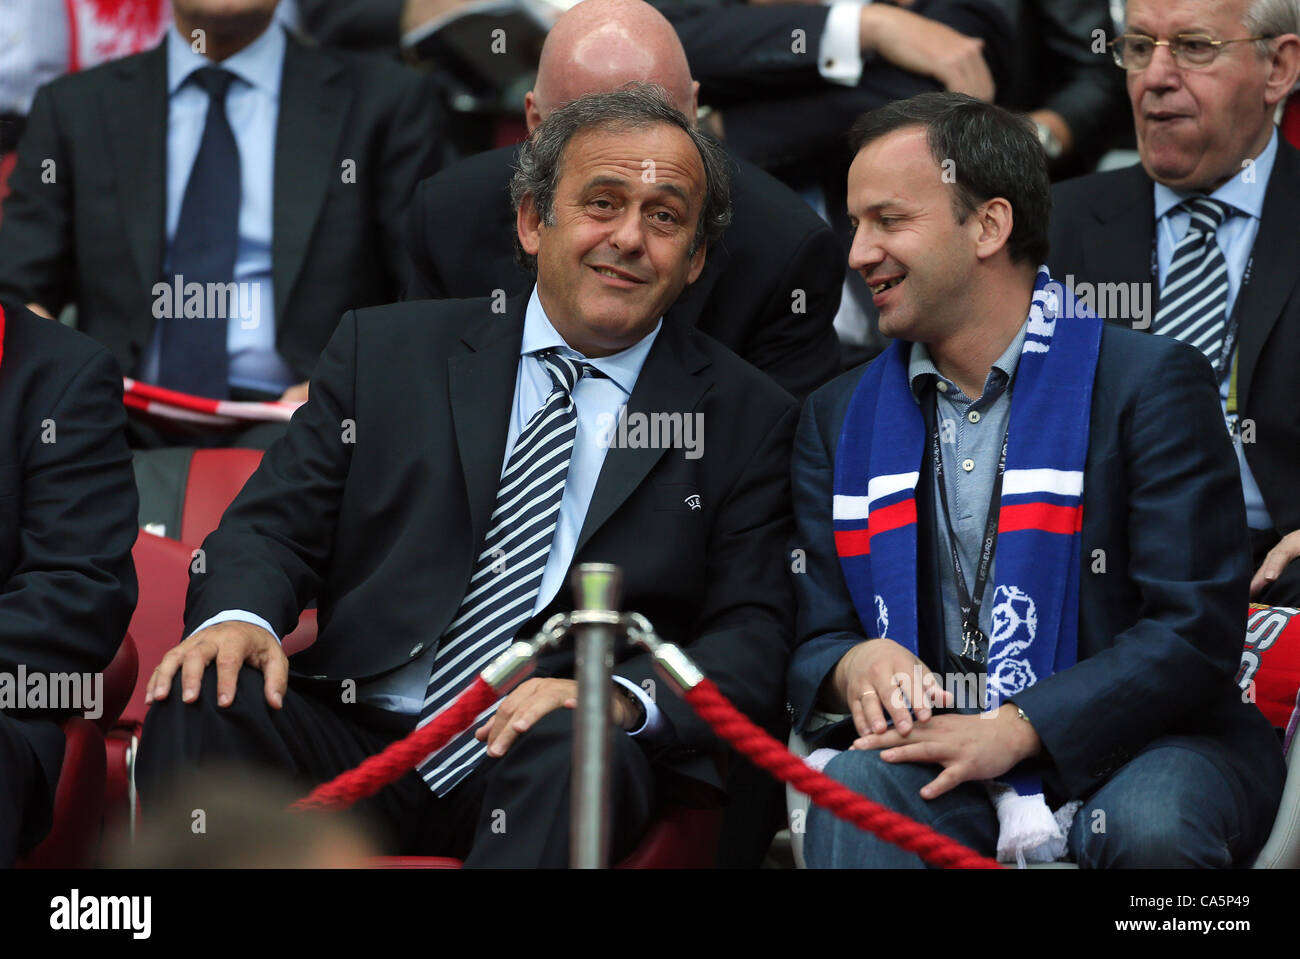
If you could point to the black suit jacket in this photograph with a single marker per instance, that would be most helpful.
(1103, 231)
(383, 532)
(778, 111)
(744, 298)
(67, 511)
(1161, 619)
(95, 235)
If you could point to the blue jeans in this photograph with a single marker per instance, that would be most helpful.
(1168, 806)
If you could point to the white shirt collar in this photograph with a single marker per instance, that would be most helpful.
(623, 367)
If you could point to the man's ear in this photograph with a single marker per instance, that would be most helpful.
(532, 115)
(993, 223)
(695, 101)
(529, 225)
(1284, 66)
(697, 263)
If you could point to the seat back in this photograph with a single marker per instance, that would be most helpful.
(120, 677)
(163, 568)
(73, 839)
(215, 479)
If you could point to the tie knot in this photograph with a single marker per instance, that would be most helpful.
(564, 371)
(215, 81)
(1207, 215)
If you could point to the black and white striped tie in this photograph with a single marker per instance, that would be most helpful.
(504, 584)
(1194, 301)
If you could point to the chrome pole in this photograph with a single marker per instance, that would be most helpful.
(599, 587)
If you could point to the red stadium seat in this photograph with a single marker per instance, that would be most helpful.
(163, 567)
(215, 478)
(73, 840)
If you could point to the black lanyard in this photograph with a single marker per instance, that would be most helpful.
(974, 644)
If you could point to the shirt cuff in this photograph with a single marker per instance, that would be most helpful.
(236, 616)
(655, 726)
(839, 57)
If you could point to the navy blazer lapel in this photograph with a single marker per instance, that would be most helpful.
(668, 383)
(134, 108)
(314, 103)
(1270, 273)
(481, 386)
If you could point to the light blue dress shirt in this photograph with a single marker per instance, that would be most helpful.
(1236, 237)
(33, 50)
(597, 402)
(253, 108)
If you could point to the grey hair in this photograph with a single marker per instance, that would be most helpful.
(633, 107)
(1271, 18)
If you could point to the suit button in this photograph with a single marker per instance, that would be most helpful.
(415, 650)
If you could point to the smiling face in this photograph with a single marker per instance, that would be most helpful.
(907, 243)
(618, 252)
(1196, 127)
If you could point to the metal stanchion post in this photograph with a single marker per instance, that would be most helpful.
(598, 588)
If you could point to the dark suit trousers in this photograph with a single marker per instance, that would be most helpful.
(510, 812)
(25, 806)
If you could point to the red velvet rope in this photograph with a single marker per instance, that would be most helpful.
(400, 757)
(395, 761)
(766, 752)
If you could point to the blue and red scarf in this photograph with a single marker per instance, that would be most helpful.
(1035, 600)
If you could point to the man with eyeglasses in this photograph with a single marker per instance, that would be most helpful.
(1197, 242)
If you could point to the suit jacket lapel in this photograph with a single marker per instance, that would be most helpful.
(668, 383)
(1270, 273)
(137, 104)
(313, 106)
(1126, 220)
(482, 386)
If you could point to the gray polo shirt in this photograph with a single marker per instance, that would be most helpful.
(970, 442)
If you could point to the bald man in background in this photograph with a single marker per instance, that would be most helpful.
(769, 290)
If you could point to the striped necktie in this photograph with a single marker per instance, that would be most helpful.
(1194, 301)
(508, 573)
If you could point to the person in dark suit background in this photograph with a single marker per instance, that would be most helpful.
(1205, 135)
(1144, 723)
(380, 497)
(770, 287)
(130, 174)
(67, 524)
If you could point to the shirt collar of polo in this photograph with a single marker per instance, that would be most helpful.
(921, 370)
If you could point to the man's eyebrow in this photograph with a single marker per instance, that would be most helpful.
(623, 184)
(876, 208)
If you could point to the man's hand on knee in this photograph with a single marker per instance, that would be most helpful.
(532, 700)
(232, 645)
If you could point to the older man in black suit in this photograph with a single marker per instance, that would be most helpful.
(1197, 241)
(770, 288)
(379, 503)
(67, 524)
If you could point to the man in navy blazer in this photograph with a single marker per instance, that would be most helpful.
(1164, 565)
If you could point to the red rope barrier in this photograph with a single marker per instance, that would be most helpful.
(400, 757)
(395, 761)
(766, 752)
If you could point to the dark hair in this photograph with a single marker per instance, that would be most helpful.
(638, 105)
(993, 153)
